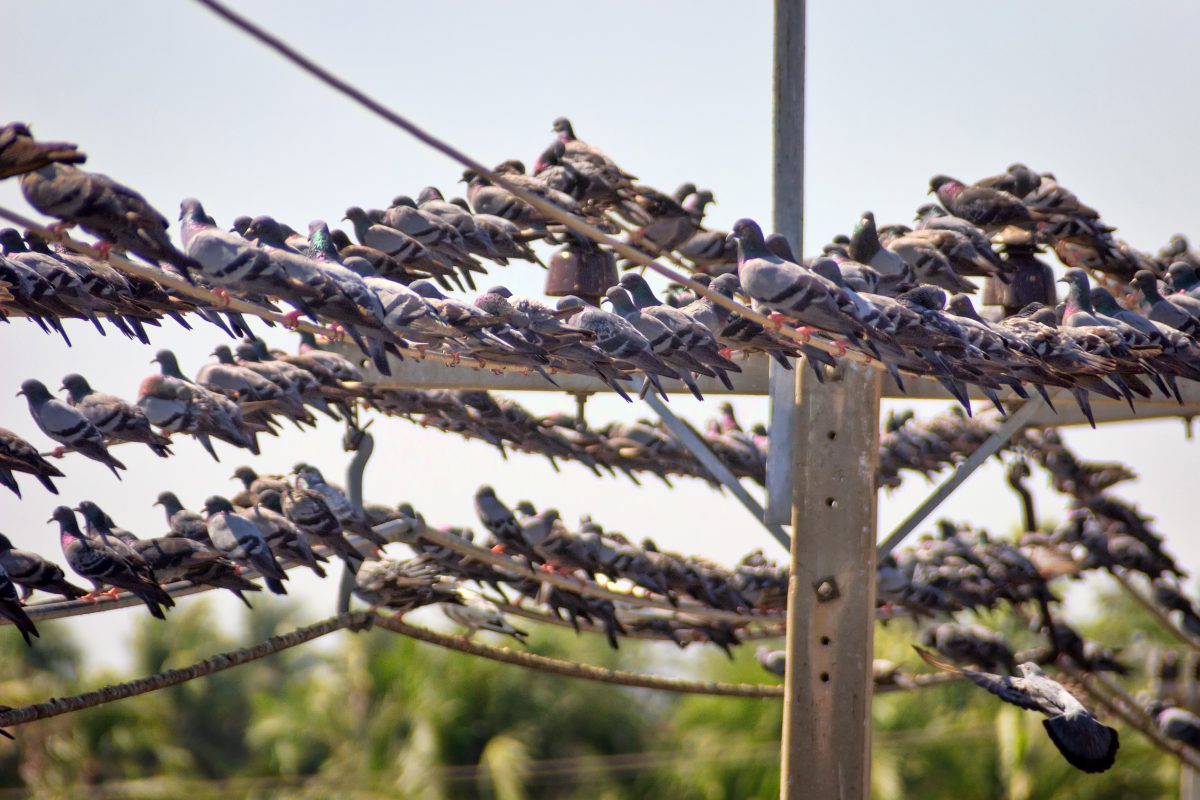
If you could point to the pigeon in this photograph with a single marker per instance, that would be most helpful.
(773, 661)
(66, 425)
(666, 345)
(476, 613)
(616, 337)
(175, 558)
(117, 419)
(351, 518)
(21, 153)
(284, 537)
(100, 564)
(973, 644)
(309, 511)
(182, 522)
(242, 542)
(1177, 724)
(18, 455)
(10, 608)
(1170, 310)
(500, 522)
(988, 208)
(240, 383)
(403, 585)
(116, 214)
(865, 248)
(32, 572)
(1085, 743)
(253, 484)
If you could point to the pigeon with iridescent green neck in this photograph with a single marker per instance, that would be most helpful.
(865, 247)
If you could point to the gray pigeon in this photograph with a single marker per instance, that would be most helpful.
(32, 572)
(18, 455)
(242, 542)
(773, 661)
(116, 418)
(66, 425)
(1177, 724)
(351, 518)
(11, 609)
(1085, 743)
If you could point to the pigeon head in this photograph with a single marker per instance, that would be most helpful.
(354, 214)
(550, 156)
(93, 515)
(76, 386)
(945, 185)
(748, 236)
(725, 284)
(340, 239)
(511, 166)
(320, 243)
(461, 203)
(828, 269)
(65, 517)
(639, 289)
(191, 210)
(470, 176)
(778, 244)
(11, 241)
(240, 225)
(266, 230)
(36, 243)
(1029, 669)
(248, 351)
(1147, 283)
(168, 363)
(485, 491)
(270, 499)
(246, 475)
(571, 302)
(503, 291)
(35, 392)
(525, 508)
(429, 194)
(169, 501)
(930, 211)
(685, 190)
(1104, 302)
(359, 266)
(403, 201)
(1183, 276)
(308, 473)
(217, 505)
(562, 126)
(961, 305)
(620, 300)
(1154, 708)
(5, 544)
(426, 288)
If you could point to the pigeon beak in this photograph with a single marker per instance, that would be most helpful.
(19, 393)
(50, 520)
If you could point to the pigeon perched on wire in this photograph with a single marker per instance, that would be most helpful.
(32, 572)
(477, 613)
(118, 215)
(350, 516)
(10, 608)
(67, 426)
(773, 661)
(18, 455)
(175, 558)
(243, 543)
(1177, 724)
(116, 418)
(1085, 743)
(102, 565)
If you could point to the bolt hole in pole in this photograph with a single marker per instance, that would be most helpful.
(824, 677)
(826, 641)
(832, 503)
(831, 435)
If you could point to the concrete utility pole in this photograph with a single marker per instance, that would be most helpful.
(831, 433)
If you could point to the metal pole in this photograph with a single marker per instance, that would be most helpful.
(697, 447)
(363, 445)
(788, 220)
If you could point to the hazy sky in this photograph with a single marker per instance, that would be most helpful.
(174, 102)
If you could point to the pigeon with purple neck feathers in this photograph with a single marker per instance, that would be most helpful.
(100, 564)
(988, 208)
(66, 425)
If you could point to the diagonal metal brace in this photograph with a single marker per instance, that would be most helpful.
(363, 445)
(696, 446)
(1010, 428)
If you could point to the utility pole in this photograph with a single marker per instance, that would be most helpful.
(833, 435)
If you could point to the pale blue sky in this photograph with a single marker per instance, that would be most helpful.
(172, 101)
